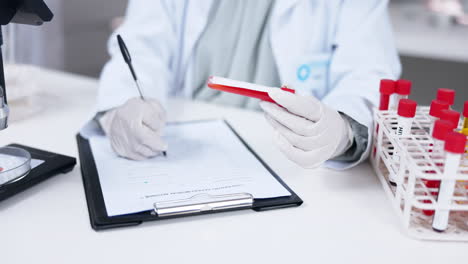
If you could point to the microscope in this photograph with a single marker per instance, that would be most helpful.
(28, 12)
(22, 167)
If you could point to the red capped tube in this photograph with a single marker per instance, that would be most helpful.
(439, 132)
(455, 143)
(402, 90)
(407, 108)
(406, 114)
(387, 88)
(451, 116)
(446, 95)
(454, 147)
(403, 87)
(441, 129)
(435, 112)
(437, 107)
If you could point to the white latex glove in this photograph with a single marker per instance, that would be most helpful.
(308, 132)
(134, 128)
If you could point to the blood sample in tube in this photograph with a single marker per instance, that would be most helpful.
(441, 129)
(402, 90)
(454, 148)
(435, 112)
(451, 116)
(446, 95)
(406, 113)
(387, 88)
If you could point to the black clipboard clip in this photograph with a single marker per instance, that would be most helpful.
(201, 203)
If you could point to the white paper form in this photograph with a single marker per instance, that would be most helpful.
(203, 158)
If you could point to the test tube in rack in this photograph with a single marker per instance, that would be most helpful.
(441, 129)
(402, 91)
(446, 95)
(451, 116)
(454, 148)
(435, 112)
(406, 113)
(387, 88)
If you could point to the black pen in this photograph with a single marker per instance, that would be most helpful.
(128, 60)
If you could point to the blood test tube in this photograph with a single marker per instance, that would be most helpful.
(451, 116)
(441, 129)
(387, 88)
(446, 95)
(406, 113)
(454, 149)
(402, 90)
(435, 112)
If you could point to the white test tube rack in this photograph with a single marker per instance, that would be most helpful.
(416, 165)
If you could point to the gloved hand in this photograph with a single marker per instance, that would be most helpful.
(308, 132)
(134, 128)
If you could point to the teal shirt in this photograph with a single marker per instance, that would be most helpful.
(235, 45)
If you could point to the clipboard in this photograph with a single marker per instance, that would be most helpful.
(197, 205)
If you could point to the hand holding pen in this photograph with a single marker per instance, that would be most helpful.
(128, 61)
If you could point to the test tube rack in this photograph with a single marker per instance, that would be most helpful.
(411, 197)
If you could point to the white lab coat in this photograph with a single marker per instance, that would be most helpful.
(337, 50)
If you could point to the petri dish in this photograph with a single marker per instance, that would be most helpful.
(15, 164)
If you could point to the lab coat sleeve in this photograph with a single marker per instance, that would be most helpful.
(364, 53)
(149, 31)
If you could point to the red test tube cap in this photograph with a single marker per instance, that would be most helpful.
(403, 87)
(451, 116)
(441, 129)
(407, 108)
(446, 95)
(387, 86)
(455, 143)
(437, 107)
(465, 110)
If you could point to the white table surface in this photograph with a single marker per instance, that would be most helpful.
(345, 218)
